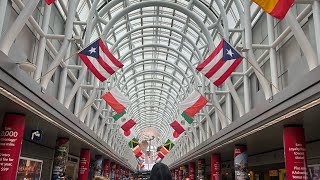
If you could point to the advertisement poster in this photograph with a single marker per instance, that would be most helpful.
(60, 158)
(241, 163)
(29, 169)
(10, 145)
(98, 165)
(201, 169)
(314, 172)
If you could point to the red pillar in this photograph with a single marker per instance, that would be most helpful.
(172, 174)
(10, 144)
(201, 169)
(180, 174)
(117, 172)
(84, 164)
(106, 168)
(192, 171)
(295, 152)
(241, 162)
(215, 167)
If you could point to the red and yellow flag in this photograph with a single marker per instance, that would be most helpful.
(276, 8)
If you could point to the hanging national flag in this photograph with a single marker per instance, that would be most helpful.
(276, 8)
(135, 146)
(116, 100)
(118, 116)
(125, 123)
(140, 160)
(158, 159)
(192, 105)
(164, 150)
(99, 60)
(221, 63)
(50, 1)
(138, 154)
(168, 145)
(133, 143)
(160, 155)
(179, 127)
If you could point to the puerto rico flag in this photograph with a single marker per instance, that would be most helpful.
(221, 63)
(99, 60)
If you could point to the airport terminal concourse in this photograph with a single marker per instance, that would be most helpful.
(125, 89)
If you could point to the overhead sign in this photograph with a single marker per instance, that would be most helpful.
(36, 135)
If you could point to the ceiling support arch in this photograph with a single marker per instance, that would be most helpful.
(137, 107)
(154, 88)
(115, 46)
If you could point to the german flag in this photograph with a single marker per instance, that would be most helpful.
(276, 8)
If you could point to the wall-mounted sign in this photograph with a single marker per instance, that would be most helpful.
(273, 173)
(36, 135)
(29, 169)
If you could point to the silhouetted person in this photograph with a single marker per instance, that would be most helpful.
(160, 171)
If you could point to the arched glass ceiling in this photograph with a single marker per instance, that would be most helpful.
(159, 43)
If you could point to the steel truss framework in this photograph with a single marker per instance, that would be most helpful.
(160, 43)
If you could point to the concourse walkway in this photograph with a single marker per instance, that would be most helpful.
(213, 89)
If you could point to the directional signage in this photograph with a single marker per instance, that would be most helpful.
(36, 135)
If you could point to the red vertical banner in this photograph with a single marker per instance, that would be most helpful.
(201, 168)
(192, 171)
(241, 162)
(215, 167)
(172, 174)
(84, 164)
(295, 152)
(106, 168)
(180, 176)
(117, 172)
(10, 144)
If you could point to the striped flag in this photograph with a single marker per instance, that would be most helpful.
(192, 105)
(117, 101)
(220, 63)
(140, 160)
(99, 60)
(276, 8)
(158, 159)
